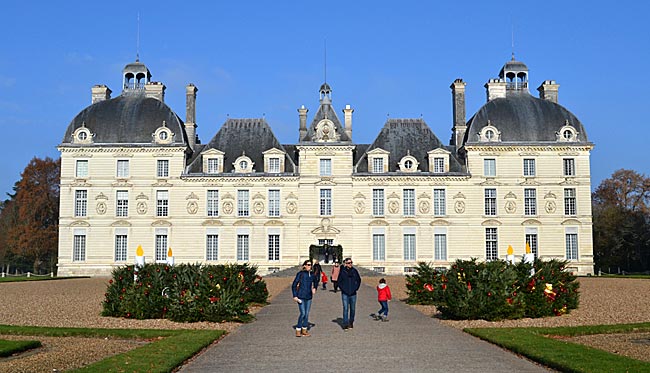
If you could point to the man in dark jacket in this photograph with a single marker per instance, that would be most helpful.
(349, 282)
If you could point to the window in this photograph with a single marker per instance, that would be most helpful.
(378, 202)
(529, 167)
(274, 247)
(162, 169)
(438, 165)
(378, 247)
(530, 202)
(491, 244)
(409, 202)
(162, 203)
(122, 203)
(243, 165)
(325, 167)
(325, 241)
(274, 202)
(490, 167)
(81, 168)
(242, 203)
(571, 244)
(79, 246)
(161, 246)
(213, 165)
(408, 164)
(326, 202)
(569, 201)
(531, 240)
(242, 247)
(274, 165)
(440, 246)
(439, 202)
(378, 165)
(568, 134)
(212, 208)
(490, 135)
(122, 168)
(80, 203)
(409, 246)
(490, 202)
(120, 247)
(569, 166)
(212, 247)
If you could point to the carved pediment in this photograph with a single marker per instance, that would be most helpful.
(439, 222)
(409, 222)
(359, 196)
(531, 222)
(530, 181)
(274, 223)
(79, 223)
(569, 181)
(550, 195)
(122, 183)
(120, 223)
(571, 221)
(378, 151)
(291, 196)
(141, 196)
(490, 181)
(378, 223)
(211, 223)
(161, 184)
(80, 183)
(326, 180)
(227, 195)
(490, 222)
(424, 195)
(259, 195)
(161, 223)
(393, 196)
(510, 195)
(192, 196)
(242, 223)
(101, 196)
(459, 195)
(326, 227)
(326, 131)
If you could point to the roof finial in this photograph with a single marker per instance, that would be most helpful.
(137, 43)
(513, 40)
(325, 62)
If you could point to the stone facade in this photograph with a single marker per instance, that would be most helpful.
(141, 179)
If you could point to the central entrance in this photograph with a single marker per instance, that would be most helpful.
(326, 253)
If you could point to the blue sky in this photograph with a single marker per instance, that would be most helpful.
(265, 58)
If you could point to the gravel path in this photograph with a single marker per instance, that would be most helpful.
(77, 303)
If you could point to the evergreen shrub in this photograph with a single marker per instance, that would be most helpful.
(185, 293)
(495, 290)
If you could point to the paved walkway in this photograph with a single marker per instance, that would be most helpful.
(409, 342)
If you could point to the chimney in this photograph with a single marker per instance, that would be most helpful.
(302, 113)
(348, 120)
(190, 114)
(548, 90)
(496, 88)
(100, 92)
(458, 102)
(155, 90)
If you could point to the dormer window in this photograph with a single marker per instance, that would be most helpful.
(378, 161)
(489, 133)
(243, 164)
(408, 164)
(163, 135)
(274, 161)
(439, 161)
(212, 161)
(82, 135)
(567, 133)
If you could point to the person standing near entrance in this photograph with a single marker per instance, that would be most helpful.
(303, 288)
(349, 282)
(317, 272)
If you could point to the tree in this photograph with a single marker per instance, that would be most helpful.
(34, 234)
(621, 208)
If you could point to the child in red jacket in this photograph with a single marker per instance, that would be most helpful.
(323, 279)
(383, 296)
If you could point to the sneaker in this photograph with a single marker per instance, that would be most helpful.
(345, 328)
(385, 318)
(351, 325)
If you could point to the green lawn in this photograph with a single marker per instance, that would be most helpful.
(535, 344)
(160, 355)
(8, 348)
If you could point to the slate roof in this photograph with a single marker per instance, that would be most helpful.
(251, 136)
(513, 65)
(522, 118)
(407, 136)
(127, 119)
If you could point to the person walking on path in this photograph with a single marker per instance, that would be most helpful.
(349, 282)
(323, 279)
(335, 275)
(383, 296)
(303, 288)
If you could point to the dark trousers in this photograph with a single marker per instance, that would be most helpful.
(336, 285)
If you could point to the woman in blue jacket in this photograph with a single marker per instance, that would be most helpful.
(304, 287)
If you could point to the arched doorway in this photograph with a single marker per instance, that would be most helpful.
(326, 253)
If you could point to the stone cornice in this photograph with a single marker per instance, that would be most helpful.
(386, 180)
(328, 147)
(530, 148)
(220, 181)
(119, 151)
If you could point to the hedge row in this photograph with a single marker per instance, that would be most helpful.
(186, 292)
(495, 290)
